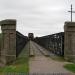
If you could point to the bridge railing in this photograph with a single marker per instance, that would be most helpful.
(21, 41)
(54, 43)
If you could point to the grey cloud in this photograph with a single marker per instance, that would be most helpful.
(42, 17)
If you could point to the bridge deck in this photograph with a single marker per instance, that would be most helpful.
(40, 64)
(36, 50)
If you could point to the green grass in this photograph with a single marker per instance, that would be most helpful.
(57, 58)
(21, 65)
(70, 67)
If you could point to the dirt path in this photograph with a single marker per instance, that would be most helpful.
(45, 65)
(42, 65)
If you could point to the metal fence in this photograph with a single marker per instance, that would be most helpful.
(21, 41)
(54, 43)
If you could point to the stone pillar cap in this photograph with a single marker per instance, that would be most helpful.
(8, 22)
(69, 22)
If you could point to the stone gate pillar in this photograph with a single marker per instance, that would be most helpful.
(69, 41)
(8, 50)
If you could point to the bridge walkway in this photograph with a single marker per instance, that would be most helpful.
(42, 64)
(36, 50)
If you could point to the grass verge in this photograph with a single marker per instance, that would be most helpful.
(57, 58)
(19, 67)
(70, 67)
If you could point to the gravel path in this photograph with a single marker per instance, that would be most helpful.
(45, 65)
(42, 65)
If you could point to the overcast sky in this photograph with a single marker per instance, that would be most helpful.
(41, 17)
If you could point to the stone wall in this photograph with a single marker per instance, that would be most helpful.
(69, 44)
(8, 46)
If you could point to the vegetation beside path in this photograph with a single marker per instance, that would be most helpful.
(70, 67)
(57, 58)
(20, 66)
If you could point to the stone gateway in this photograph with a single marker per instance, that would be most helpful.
(12, 42)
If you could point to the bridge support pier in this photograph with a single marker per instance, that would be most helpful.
(69, 41)
(8, 46)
